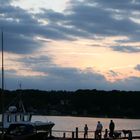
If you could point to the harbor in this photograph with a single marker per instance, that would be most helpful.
(70, 70)
(69, 128)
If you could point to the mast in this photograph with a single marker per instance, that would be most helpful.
(2, 82)
(2, 63)
(21, 105)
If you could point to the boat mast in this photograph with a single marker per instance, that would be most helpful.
(2, 83)
(2, 63)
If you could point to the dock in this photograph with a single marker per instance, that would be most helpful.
(123, 138)
(79, 135)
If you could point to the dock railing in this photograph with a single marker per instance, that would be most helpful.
(121, 134)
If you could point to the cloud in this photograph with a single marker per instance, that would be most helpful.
(95, 17)
(119, 4)
(19, 29)
(70, 79)
(113, 73)
(3, 2)
(89, 19)
(61, 79)
(81, 19)
(22, 27)
(126, 49)
(137, 67)
(130, 83)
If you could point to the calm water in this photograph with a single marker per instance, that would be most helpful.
(70, 123)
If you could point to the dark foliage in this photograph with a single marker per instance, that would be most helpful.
(79, 103)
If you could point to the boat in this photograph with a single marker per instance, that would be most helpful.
(18, 126)
(16, 115)
(21, 132)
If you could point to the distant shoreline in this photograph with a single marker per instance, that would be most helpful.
(80, 103)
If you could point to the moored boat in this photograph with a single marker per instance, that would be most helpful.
(14, 116)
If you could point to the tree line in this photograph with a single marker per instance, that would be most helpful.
(96, 103)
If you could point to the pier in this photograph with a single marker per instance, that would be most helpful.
(79, 135)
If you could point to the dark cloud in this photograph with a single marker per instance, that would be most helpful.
(126, 49)
(100, 20)
(20, 29)
(130, 83)
(59, 23)
(137, 67)
(113, 73)
(51, 16)
(17, 43)
(70, 79)
(89, 18)
(37, 63)
(3, 2)
(85, 19)
(61, 78)
(119, 4)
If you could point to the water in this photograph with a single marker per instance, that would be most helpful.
(70, 123)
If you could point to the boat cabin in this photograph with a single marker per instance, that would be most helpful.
(13, 116)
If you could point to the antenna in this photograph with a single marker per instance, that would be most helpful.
(21, 106)
(19, 85)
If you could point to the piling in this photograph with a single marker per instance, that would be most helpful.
(64, 135)
(130, 135)
(76, 135)
(72, 135)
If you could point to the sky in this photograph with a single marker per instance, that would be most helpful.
(71, 44)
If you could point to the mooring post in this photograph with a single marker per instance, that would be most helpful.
(130, 135)
(72, 135)
(76, 132)
(94, 135)
(64, 135)
(50, 132)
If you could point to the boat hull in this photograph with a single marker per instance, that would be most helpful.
(44, 126)
(28, 131)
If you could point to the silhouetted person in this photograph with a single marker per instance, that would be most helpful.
(98, 132)
(86, 131)
(111, 128)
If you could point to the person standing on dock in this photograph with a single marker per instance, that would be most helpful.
(111, 128)
(86, 131)
(98, 132)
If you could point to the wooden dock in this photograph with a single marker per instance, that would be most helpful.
(61, 138)
(121, 138)
(79, 135)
